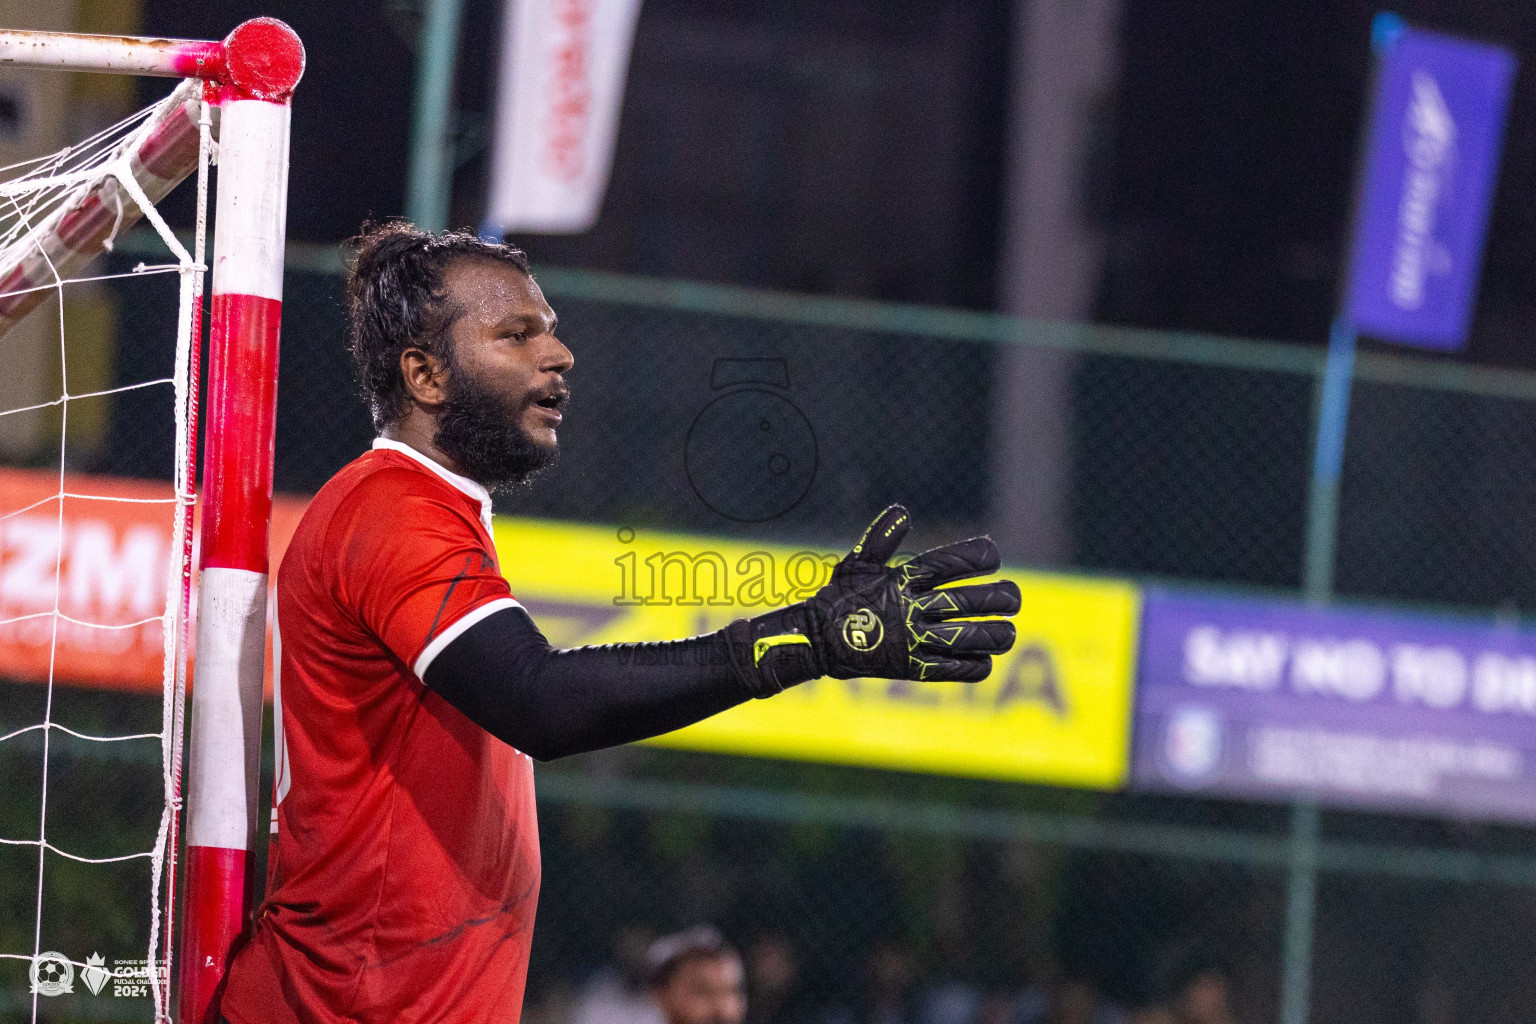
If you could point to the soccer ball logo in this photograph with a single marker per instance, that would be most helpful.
(52, 974)
(862, 630)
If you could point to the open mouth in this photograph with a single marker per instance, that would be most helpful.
(554, 403)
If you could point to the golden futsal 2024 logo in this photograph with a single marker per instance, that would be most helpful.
(53, 974)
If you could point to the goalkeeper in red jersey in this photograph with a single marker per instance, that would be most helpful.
(413, 690)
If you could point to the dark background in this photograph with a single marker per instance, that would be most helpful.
(855, 148)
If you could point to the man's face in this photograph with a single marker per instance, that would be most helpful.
(505, 389)
(704, 990)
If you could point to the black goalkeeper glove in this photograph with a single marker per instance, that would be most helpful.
(886, 622)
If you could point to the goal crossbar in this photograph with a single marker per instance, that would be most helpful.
(261, 57)
(123, 55)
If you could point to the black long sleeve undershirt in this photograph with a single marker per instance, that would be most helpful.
(506, 678)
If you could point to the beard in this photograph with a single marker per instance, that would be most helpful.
(482, 433)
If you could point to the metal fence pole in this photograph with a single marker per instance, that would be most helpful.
(430, 185)
(1300, 904)
(1317, 582)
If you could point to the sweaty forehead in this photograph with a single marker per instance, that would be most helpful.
(486, 289)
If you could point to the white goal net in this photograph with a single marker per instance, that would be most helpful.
(98, 406)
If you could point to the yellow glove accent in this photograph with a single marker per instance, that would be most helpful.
(762, 646)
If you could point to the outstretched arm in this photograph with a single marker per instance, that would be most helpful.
(548, 703)
(871, 619)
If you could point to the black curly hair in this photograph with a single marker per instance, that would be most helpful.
(396, 301)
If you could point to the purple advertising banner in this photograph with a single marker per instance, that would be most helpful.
(1431, 162)
(1279, 700)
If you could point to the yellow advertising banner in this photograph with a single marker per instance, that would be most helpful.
(1055, 710)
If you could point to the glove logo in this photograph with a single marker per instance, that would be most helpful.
(862, 630)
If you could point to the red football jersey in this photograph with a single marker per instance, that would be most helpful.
(405, 861)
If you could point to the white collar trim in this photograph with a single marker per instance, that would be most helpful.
(461, 483)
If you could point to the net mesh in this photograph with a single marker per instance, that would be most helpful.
(117, 578)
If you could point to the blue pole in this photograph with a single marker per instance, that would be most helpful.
(1328, 462)
(1317, 581)
(429, 187)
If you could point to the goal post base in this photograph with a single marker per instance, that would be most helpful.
(209, 932)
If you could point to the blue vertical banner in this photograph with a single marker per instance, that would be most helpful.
(1431, 162)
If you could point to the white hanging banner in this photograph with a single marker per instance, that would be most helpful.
(563, 67)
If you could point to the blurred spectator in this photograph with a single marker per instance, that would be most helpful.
(887, 992)
(556, 1004)
(887, 996)
(774, 995)
(1200, 993)
(696, 977)
(952, 1002)
(948, 999)
(891, 974)
(995, 1008)
(616, 994)
(1065, 1000)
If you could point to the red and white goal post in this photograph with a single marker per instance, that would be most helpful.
(247, 81)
